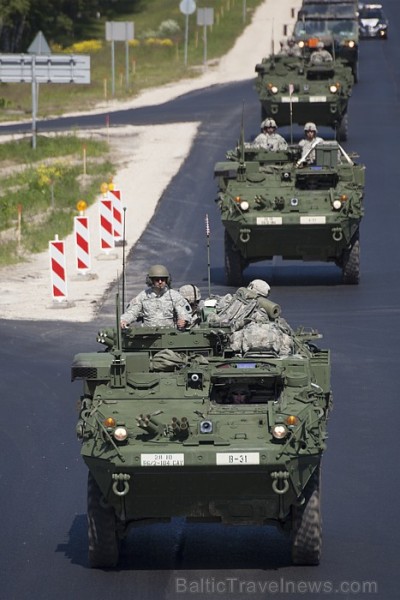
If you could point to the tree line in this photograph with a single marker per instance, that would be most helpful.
(61, 21)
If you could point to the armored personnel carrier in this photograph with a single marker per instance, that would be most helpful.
(279, 204)
(162, 435)
(294, 90)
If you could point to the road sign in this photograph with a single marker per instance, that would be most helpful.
(205, 16)
(50, 68)
(187, 7)
(119, 31)
(39, 45)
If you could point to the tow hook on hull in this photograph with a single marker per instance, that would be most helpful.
(280, 483)
(120, 480)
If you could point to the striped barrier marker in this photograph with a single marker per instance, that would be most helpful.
(106, 225)
(58, 270)
(115, 196)
(82, 244)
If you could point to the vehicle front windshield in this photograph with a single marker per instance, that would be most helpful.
(372, 13)
(341, 11)
(325, 27)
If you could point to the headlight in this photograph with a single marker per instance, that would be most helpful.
(333, 89)
(279, 432)
(120, 434)
(351, 43)
(244, 205)
(274, 89)
(337, 205)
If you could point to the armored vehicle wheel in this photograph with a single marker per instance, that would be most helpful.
(307, 527)
(343, 129)
(102, 534)
(263, 114)
(351, 263)
(233, 263)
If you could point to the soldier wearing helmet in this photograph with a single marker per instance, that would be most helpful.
(260, 287)
(289, 47)
(158, 305)
(311, 139)
(269, 139)
(320, 56)
(192, 295)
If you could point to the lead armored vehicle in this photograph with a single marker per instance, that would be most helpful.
(279, 204)
(163, 437)
(294, 90)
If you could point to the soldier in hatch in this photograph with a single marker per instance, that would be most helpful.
(158, 305)
(269, 139)
(320, 56)
(289, 48)
(311, 139)
(192, 294)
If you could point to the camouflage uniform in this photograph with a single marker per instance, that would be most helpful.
(289, 48)
(305, 147)
(273, 142)
(265, 337)
(158, 310)
(320, 56)
(236, 310)
(251, 326)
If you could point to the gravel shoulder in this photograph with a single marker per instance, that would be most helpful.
(26, 288)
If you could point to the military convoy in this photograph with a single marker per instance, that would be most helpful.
(292, 90)
(162, 437)
(162, 428)
(282, 204)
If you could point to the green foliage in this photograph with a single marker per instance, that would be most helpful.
(150, 63)
(47, 190)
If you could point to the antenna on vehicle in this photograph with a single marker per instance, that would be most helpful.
(291, 90)
(208, 255)
(272, 39)
(123, 259)
(118, 328)
(242, 167)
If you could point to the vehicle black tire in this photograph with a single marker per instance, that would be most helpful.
(233, 263)
(307, 525)
(263, 114)
(102, 531)
(343, 129)
(351, 263)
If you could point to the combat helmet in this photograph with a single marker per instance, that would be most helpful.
(158, 271)
(268, 123)
(310, 127)
(259, 286)
(190, 292)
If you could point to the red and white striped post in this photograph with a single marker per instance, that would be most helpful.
(106, 225)
(82, 244)
(115, 196)
(58, 270)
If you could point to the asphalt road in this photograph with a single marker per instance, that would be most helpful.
(43, 480)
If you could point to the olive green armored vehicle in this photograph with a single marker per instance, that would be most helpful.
(282, 204)
(294, 90)
(162, 435)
